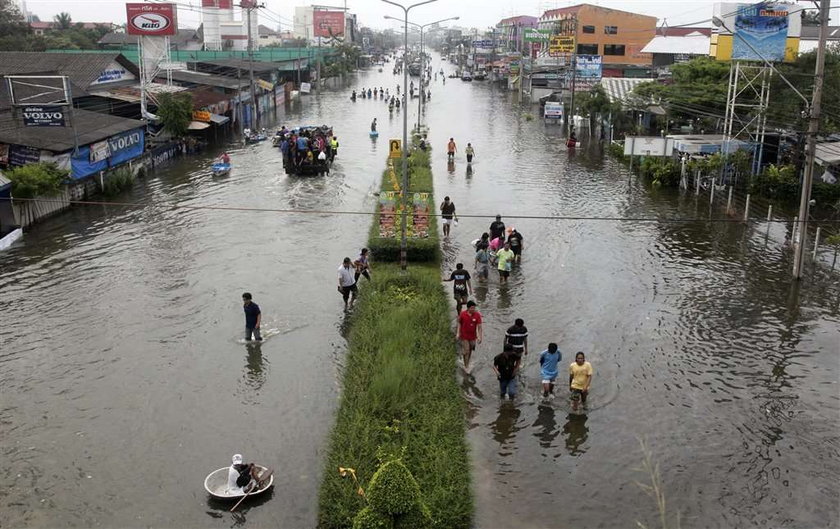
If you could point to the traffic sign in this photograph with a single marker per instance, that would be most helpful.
(560, 44)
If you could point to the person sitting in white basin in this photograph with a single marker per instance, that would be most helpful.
(240, 475)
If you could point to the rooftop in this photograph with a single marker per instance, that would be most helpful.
(83, 69)
(693, 44)
(206, 79)
(813, 33)
(90, 127)
(682, 31)
(121, 39)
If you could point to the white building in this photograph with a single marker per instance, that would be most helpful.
(223, 31)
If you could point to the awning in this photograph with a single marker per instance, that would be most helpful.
(198, 125)
(218, 119)
(828, 153)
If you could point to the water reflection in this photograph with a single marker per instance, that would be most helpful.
(576, 433)
(505, 426)
(255, 367)
(547, 424)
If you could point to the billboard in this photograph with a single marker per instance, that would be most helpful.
(754, 32)
(154, 20)
(328, 23)
(221, 4)
(560, 44)
(43, 116)
(588, 67)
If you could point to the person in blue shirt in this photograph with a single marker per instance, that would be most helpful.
(252, 318)
(548, 368)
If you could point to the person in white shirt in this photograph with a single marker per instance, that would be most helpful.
(347, 282)
(239, 475)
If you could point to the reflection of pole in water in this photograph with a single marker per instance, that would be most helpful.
(255, 367)
(576, 433)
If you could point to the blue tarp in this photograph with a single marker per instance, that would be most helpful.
(123, 147)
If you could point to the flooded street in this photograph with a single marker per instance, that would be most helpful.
(124, 382)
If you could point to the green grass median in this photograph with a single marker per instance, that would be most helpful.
(400, 400)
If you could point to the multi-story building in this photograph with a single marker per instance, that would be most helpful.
(618, 36)
(509, 32)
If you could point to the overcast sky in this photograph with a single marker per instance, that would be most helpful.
(473, 13)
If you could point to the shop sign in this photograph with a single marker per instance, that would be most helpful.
(125, 141)
(114, 73)
(560, 44)
(43, 116)
(265, 85)
(151, 19)
(536, 35)
(201, 115)
(20, 155)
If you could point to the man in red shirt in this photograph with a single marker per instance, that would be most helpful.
(469, 331)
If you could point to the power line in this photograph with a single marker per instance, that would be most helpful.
(664, 220)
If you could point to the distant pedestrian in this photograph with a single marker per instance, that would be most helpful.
(548, 368)
(516, 243)
(347, 282)
(497, 228)
(252, 318)
(469, 332)
(504, 258)
(462, 287)
(517, 337)
(482, 263)
(362, 265)
(447, 213)
(451, 149)
(580, 377)
(470, 152)
(506, 365)
(373, 125)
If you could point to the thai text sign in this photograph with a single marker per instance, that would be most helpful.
(328, 23)
(151, 19)
(761, 32)
(560, 44)
(588, 67)
(536, 35)
(43, 116)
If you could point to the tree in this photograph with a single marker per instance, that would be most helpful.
(15, 33)
(175, 112)
(63, 20)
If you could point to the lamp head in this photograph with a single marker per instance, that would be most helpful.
(718, 22)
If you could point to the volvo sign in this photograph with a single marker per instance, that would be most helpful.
(43, 116)
(151, 19)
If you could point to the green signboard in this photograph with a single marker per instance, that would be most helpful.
(536, 35)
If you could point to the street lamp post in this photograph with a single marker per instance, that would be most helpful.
(404, 190)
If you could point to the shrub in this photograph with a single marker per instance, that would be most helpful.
(118, 181)
(37, 180)
(371, 519)
(393, 490)
(419, 518)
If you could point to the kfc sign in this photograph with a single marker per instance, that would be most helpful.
(152, 19)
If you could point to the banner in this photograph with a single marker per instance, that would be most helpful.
(761, 32)
(99, 151)
(328, 23)
(151, 19)
(21, 155)
(588, 67)
(536, 35)
(117, 149)
(43, 116)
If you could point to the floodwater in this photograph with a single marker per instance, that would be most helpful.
(700, 345)
(123, 379)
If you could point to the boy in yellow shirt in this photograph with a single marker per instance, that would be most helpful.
(580, 377)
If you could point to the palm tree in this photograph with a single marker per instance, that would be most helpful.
(63, 20)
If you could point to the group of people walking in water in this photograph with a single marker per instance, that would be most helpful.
(503, 247)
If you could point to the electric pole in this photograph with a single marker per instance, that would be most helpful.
(571, 113)
(249, 6)
(800, 241)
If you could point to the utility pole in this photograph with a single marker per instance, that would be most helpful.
(571, 113)
(811, 146)
(249, 6)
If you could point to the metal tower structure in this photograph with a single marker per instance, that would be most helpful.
(747, 99)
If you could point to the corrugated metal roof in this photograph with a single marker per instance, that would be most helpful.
(828, 153)
(82, 68)
(618, 88)
(206, 79)
(114, 38)
(90, 126)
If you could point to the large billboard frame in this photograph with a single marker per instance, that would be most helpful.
(151, 20)
(325, 23)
